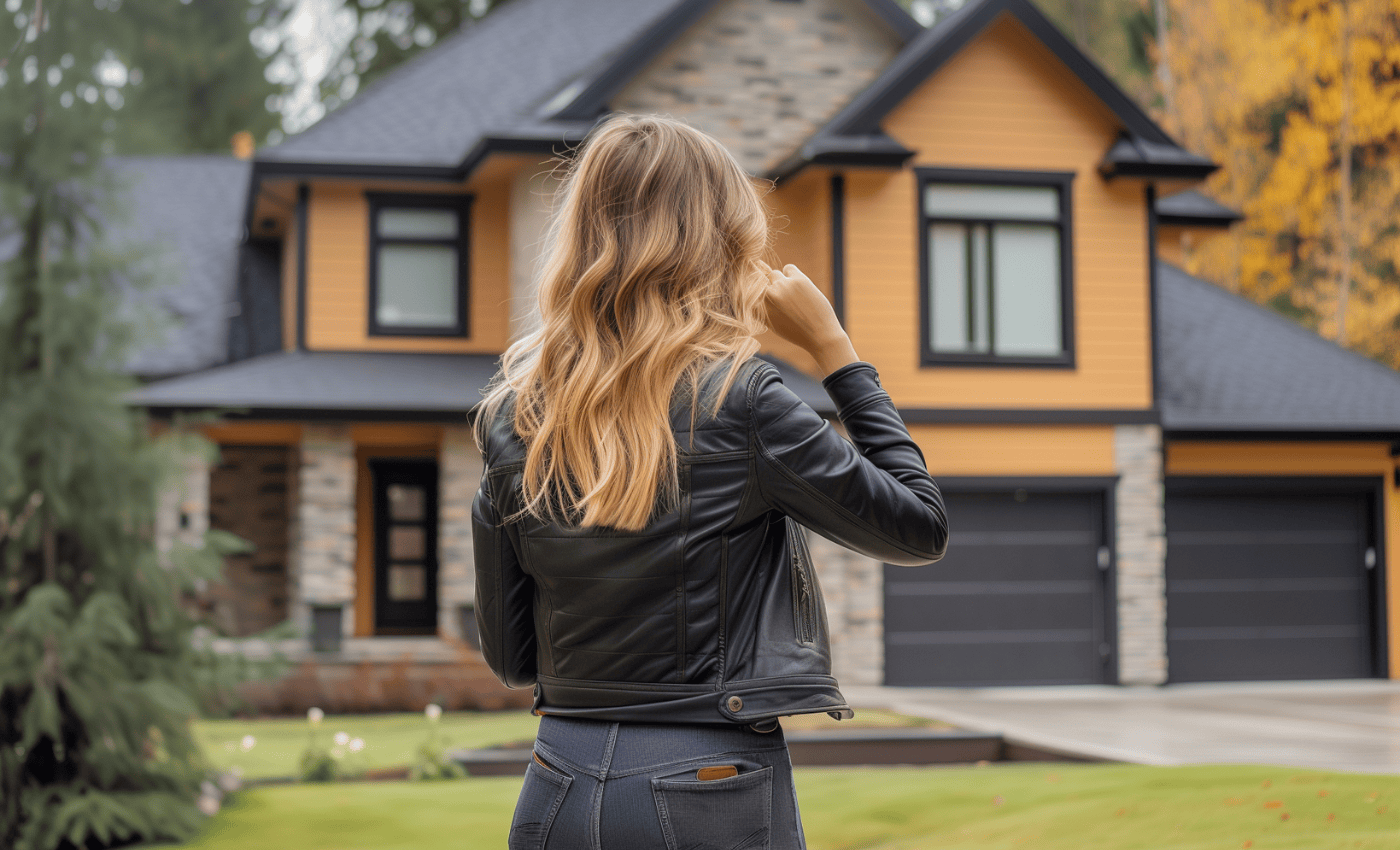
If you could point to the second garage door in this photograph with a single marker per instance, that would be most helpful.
(1020, 598)
(1270, 581)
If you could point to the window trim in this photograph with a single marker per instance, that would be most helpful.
(461, 204)
(1059, 180)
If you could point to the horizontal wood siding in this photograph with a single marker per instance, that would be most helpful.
(1020, 450)
(338, 272)
(1311, 458)
(1005, 103)
(801, 223)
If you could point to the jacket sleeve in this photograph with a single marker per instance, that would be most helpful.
(505, 596)
(873, 494)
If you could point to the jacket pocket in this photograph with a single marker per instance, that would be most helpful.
(540, 796)
(735, 813)
(804, 585)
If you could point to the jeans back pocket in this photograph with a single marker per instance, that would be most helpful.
(540, 797)
(721, 814)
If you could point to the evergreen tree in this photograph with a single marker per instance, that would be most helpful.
(99, 671)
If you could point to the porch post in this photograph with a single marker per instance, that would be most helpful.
(1142, 555)
(459, 477)
(323, 526)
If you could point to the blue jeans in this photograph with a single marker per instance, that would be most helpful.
(595, 785)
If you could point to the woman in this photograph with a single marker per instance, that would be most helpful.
(638, 552)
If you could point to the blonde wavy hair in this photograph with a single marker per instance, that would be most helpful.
(652, 275)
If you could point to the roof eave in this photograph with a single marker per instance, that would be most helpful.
(874, 150)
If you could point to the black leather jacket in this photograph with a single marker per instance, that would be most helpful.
(712, 613)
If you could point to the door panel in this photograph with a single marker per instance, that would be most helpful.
(405, 545)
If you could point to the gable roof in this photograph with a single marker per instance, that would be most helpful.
(182, 214)
(528, 76)
(1228, 364)
(857, 126)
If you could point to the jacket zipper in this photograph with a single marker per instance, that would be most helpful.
(804, 608)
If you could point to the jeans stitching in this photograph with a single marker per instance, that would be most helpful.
(596, 831)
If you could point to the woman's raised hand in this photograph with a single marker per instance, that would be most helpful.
(800, 313)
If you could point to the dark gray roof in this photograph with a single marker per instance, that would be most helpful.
(182, 214)
(496, 73)
(1228, 364)
(1191, 207)
(362, 383)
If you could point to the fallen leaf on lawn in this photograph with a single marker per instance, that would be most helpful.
(1233, 801)
(997, 800)
(1283, 816)
(1331, 815)
(1322, 793)
(1381, 810)
(1054, 777)
(1266, 783)
(1247, 844)
(1121, 812)
(1274, 804)
(1371, 797)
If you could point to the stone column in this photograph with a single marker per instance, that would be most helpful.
(460, 474)
(853, 587)
(182, 512)
(323, 526)
(1142, 552)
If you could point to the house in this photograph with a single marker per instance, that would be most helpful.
(1149, 479)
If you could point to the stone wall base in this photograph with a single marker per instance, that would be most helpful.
(377, 686)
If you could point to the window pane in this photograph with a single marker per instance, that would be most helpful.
(408, 582)
(406, 502)
(1027, 289)
(418, 224)
(953, 200)
(948, 273)
(406, 542)
(417, 286)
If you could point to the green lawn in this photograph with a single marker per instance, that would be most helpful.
(1001, 807)
(390, 739)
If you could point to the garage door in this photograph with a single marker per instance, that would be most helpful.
(1268, 584)
(1018, 600)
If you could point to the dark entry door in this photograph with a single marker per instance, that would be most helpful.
(1269, 581)
(405, 546)
(1021, 598)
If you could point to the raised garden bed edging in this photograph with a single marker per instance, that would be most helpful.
(830, 749)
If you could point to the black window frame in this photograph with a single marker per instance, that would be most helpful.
(461, 204)
(1062, 182)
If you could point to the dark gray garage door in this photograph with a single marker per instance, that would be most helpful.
(1269, 584)
(1018, 600)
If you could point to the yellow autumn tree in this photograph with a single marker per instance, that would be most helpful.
(1299, 100)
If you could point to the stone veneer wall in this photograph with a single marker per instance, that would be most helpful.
(182, 509)
(324, 525)
(762, 76)
(248, 497)
(459, 476)
(1142, 551)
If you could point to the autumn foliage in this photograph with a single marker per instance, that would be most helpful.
(1299, 100)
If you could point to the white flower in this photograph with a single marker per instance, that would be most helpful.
(230, 782)
(357, 744)
(337, 752)
(342, 739)
(434, 711)
(315, 715)
(208, 805)
(208, 789)
(247, 743)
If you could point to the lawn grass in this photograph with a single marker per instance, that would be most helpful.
(999, 807)
(390, 739)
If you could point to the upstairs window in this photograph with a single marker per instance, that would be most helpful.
(418, 265)
(996, 268)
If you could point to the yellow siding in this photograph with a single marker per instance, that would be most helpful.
(338, 272)
(1004, 102)
(1023, 450)
(289, 289)
(801, 221)
(1282, 458)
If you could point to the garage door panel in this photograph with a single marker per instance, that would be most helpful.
(1020, 611)
(1208, 560)
(1265, 608)
(1043, 661)
(1267, 584)
(1019, 599)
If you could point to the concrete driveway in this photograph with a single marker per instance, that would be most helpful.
(1348, 725)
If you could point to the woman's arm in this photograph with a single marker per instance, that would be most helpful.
(875, 496)
(505, 595)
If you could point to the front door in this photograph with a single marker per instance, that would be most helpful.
(405, 546)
